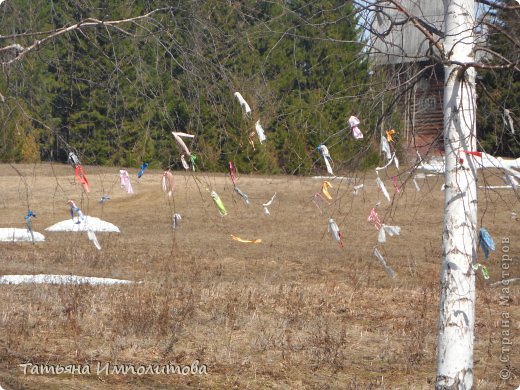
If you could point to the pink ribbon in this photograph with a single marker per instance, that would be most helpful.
(396, 186)
(374, 217)
(124, 178)
(168, 183)
(354, 122)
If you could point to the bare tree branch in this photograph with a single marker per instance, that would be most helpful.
(478, 65)
(508, 64)
(502, 31)
(84, 23)
(494, 4)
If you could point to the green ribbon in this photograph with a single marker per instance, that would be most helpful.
(483, 268)
(218, 202)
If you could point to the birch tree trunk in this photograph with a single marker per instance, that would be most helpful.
(459, 236)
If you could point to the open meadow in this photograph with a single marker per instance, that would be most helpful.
(295, 311)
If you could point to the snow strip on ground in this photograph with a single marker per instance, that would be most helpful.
(60, 279)
(92, 223)
(14, 234)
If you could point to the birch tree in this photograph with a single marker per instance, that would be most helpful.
(455, 48)
(459, 234)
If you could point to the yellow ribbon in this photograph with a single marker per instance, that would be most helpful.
(325, 189)
(257, 241)
(390, 135)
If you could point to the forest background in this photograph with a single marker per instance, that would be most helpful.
(113, 94)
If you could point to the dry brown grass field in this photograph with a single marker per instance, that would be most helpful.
(296, 311)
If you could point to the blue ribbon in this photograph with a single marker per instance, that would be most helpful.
(486, 242)
(141, 171)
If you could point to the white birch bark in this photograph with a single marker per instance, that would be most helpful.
(459, 236)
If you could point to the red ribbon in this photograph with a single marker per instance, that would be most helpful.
(477, 154)
(233, 173)
(81, 178)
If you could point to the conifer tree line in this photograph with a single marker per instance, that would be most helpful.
(498, 90)
(113, 94)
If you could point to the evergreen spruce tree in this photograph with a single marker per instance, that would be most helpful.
(115, 97)
(499, 89)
